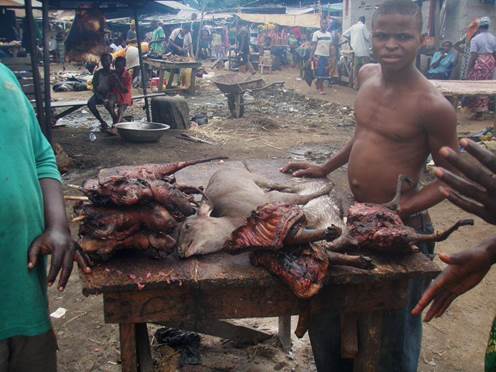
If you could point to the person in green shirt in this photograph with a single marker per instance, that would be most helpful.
(157, 45)
(33, 225)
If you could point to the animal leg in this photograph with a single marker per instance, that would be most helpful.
(303, 236)
(361, 262)
(395, 203)
(440, 236)
(341, 243)
(280, 197)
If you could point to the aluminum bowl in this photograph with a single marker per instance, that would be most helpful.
(137, 131)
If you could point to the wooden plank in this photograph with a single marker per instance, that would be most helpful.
(369, 346)
(465, 87)
(127, 336)
(240, 335)
(241, 301)
(349, 335)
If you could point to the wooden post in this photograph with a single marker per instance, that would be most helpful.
(47, 123)
(34, 61)
(285, 332)
(142, 66)
(127, 335)
(432, 18)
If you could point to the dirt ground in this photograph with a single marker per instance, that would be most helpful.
(293, 124)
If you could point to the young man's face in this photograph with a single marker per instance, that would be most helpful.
(395, 40)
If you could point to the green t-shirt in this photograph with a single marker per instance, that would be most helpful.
(26, 157)
(158, 41)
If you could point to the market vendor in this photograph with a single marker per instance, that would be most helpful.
(158, 42)
(180, 41)
(401, 120)
(34, 225)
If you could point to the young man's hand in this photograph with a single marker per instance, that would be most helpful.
(464, 271)
(477, 192)
(304, 170)
(59, 245)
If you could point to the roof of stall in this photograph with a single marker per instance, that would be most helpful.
(286, 20)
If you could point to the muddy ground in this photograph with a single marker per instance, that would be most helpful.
(295, 123)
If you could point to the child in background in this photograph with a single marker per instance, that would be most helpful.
(121, 90)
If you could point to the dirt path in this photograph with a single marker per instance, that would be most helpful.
(282, 126)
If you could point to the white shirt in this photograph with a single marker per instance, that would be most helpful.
(323, 40)
(484, 43)
(132, 57)
(359, 39)
(187, 40)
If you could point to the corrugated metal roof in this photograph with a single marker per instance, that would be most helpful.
(174, 5)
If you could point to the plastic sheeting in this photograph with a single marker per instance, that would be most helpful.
(286, 20)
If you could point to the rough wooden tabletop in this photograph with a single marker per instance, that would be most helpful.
(465, 87)
(133, 271)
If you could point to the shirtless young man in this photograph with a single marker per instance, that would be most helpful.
(401, 119)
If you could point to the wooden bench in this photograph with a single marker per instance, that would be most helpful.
(71, 106)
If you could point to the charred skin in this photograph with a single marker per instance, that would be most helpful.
(266, 228)
(132, 192)
(304, 271)
(139, 241)
(148, 172)
(120, 223)
(380, 229)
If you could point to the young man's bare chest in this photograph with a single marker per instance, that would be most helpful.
(390, 114)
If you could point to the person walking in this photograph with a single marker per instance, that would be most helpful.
(482, 64)
(359, 38)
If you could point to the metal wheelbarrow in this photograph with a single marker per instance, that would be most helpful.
(234, 86)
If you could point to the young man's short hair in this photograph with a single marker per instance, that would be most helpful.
(401, 7)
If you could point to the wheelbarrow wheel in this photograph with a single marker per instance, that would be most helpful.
(236, 112)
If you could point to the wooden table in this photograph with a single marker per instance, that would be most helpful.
(454, 89)
(165, 66)
(200, 290)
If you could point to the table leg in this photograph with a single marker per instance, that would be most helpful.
(237, 105)
(161, 80)
(369, 342)
(284, 332)
(349, 335)
(171, 79)
(127, 335)
(145, 360)
(191, 89)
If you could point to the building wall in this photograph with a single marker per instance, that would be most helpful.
(354, 9)
(459, 14)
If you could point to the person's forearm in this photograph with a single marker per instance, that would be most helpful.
(340, 159)
(426, 198)
(53, 198)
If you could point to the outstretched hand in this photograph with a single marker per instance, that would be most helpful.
(477, 192)
(304, 170)
(464, 271)
(59, 245)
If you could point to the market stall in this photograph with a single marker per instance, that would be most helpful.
(200, 290)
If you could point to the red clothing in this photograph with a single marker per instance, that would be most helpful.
(121, 97)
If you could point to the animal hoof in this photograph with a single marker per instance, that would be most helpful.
(332, 233)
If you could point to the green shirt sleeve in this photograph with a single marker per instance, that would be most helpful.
(46, 163)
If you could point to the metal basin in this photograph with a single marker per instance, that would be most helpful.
(137, 131)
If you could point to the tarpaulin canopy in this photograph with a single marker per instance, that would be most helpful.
(286, 20)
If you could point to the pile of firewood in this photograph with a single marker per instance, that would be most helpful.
(134, 207)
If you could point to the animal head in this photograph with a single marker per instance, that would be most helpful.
(202, 234)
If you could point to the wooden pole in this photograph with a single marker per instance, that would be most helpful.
(432, 18)
(142, 65)
(47, 124)
(34, 61)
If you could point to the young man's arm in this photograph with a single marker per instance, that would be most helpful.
(440, 126)
(342, 157)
